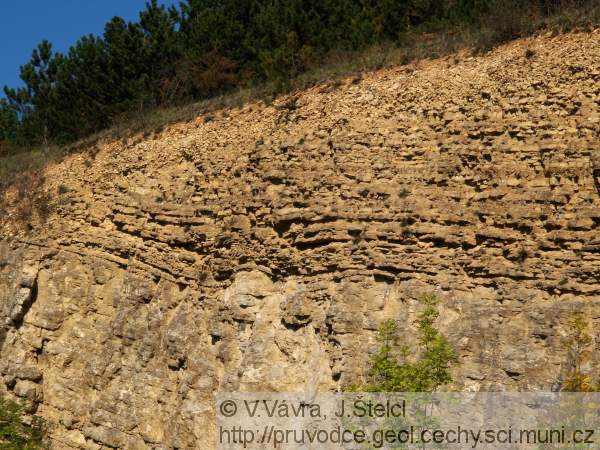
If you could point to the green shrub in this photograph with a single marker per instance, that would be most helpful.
(15, 432)
(578, 345)
(423, 367)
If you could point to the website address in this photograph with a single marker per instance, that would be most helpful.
(381, 438)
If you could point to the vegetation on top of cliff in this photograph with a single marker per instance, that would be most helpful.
(17, 432)
(424, 367)
(205, 48)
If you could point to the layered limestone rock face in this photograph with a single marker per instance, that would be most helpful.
(259, 250)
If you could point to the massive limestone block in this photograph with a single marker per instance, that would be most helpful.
(261, 250)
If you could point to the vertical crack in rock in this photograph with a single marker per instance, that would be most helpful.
(3, 332)
(23, 297)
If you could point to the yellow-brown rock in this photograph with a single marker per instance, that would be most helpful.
(260, 250)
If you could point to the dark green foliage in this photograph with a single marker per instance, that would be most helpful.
(15, 434)
(34, 103)
(9, 123)
(84, 102)
(158, 51)
(205, 47)
(419, 368)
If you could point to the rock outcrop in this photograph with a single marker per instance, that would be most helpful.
(260, 250)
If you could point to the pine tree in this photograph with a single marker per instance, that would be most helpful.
(9, 123)
(161, 49)
(126, 67)
(83, 89)
(34, 102)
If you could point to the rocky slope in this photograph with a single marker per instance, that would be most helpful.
(260, 248)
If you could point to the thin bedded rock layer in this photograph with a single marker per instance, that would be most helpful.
(261, 249)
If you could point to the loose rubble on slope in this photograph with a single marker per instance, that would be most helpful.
(260, 250)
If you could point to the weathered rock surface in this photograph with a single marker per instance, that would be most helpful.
(260, 250)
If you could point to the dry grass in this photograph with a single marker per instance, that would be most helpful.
(21, 182)
(25, 199)
(13, 167)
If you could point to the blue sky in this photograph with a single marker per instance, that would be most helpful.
(25, 23)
